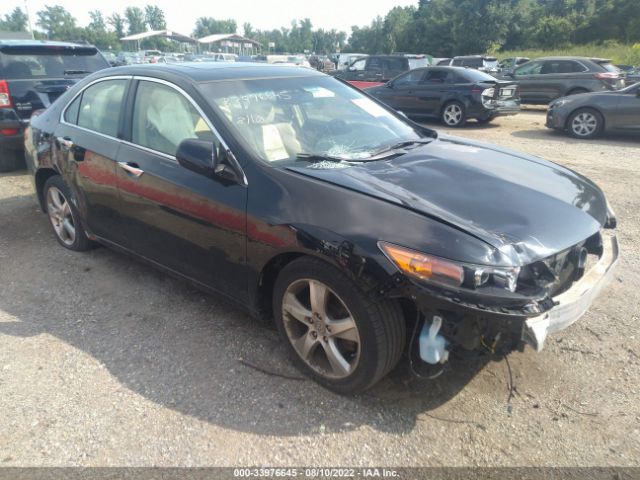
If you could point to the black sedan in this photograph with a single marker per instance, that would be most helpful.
(362, 234)
(590, 114)
(452, 94)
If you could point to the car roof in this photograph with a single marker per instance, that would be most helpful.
(214, 71)
(589, 59)
(37, 43)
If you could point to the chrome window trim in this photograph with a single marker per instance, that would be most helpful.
(97, 80)
(142, 147)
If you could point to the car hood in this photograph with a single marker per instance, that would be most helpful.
(524, 206)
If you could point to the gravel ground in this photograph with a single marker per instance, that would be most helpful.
(106, 362)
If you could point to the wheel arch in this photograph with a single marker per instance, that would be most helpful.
(41, 177)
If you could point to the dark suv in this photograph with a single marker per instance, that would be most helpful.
(545, 79)
(373, 70)
(32, 75)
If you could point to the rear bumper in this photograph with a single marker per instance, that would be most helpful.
(12, 142)
(572, 304)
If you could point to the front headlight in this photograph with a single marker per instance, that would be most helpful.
(448, 273)
(559, 103)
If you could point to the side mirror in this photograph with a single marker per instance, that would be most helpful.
(352, 69)
(389, 84)
(201, 157)
(198, 156)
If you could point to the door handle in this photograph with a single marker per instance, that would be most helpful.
(65, 142)
(131, 168)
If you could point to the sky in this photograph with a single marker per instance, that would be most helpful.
(262, 14)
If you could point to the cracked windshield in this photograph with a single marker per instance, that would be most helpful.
(307, 119)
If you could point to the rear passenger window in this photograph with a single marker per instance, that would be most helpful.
(100, 106)
(163, 118)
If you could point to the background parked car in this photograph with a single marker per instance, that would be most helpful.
(33, 74)
(346, 59)
(373, 70)
(546, 79)
(128, 58)
(150, 56)
(441, 62)
(452, 94)
(478, 62)
(631, 74)
(590, 114)
(510, 63)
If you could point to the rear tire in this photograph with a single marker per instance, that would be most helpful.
(585, 123)
(63, 216)
(343, 340)
(453, 114)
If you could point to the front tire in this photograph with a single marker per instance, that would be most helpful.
(334, 333)
(585, 124)
(63, 216)
(454, 114)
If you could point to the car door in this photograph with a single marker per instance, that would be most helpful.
(559, 76)
(626, 116)
(434, 87)
(87, 147)
(400, 94)
(190, 223)
(355, 71)
(392, 67)
(530, 81)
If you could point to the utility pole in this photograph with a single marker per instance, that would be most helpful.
(26, 10)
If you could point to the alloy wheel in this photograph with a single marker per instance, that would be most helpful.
(61, 216)
(452, 114)
(584, 124)
(320, 328)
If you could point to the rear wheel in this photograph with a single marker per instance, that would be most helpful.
(334, 333)
(454, 114)
(63, 216)
(585, 123)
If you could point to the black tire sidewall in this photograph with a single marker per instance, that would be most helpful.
(598, 130)
(463, 119)
(81, 241)
(369, 367)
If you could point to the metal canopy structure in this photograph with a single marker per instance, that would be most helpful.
(231, 42)
(171, 34)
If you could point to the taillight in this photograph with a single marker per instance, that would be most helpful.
(5, 96)
(8, 131)
(606, 76)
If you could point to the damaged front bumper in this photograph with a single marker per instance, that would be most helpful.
(572, 304)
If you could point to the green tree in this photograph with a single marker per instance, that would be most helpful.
(154, 17)
(118, 23)
(57, 23)
(16, 21)
(210, 26)
(135, 20)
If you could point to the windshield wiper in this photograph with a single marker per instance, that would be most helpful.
(401, 145)
(318, 157)
(76, 72)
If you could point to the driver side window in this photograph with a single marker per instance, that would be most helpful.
(163, 118)
(358, 65)
(532, 68)
(411, 78)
